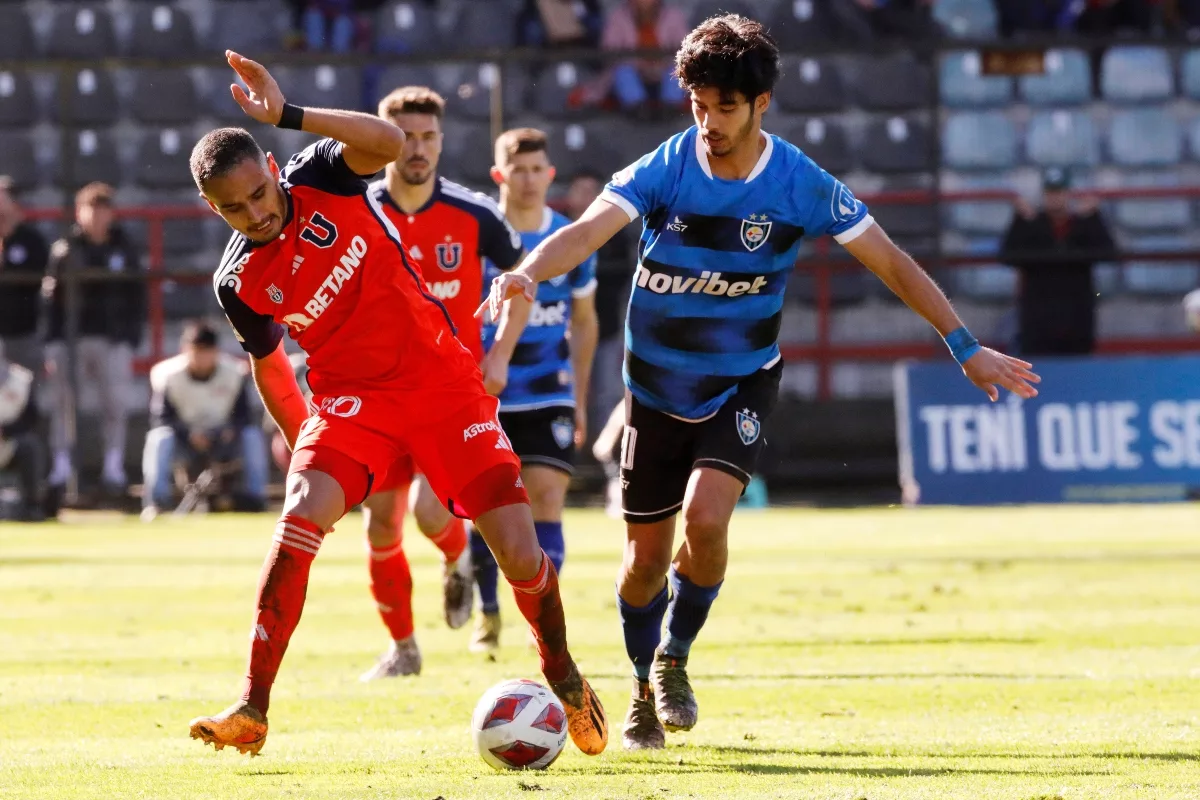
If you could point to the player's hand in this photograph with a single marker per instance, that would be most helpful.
(580, 426)
(504, 287)
(265, 101)
(495, 374)
(987, 369)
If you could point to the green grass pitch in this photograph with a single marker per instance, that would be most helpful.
(991, 653)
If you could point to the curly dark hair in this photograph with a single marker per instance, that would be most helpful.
(731, 54)
(220, 151)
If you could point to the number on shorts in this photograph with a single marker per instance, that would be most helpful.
(628, 445)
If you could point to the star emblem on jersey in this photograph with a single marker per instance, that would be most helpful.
(275, 293)
(755, 231)
(563, 430)
(748, 426)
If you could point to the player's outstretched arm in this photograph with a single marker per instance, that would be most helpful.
(985, 367)
(276, 383)
(558, 254)
(371, 143)
(510, 326)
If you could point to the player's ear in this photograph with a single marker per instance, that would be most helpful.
(272, 167)
(551, 171)
(762, 102)
(211, 204)
(497, 175)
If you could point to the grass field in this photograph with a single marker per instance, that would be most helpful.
(1013, 653)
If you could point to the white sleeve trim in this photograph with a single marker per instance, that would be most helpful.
(621, 203)
(587, 289)
(850, 234)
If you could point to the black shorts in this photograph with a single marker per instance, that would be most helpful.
(544, 436)
(659, 451)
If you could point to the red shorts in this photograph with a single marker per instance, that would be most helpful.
(450, 433)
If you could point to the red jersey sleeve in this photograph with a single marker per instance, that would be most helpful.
(258, 334)
(499, 243)
(322, 167)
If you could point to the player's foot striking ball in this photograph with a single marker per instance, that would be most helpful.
(585, 715)
(643, 731)
(401, 659)
(314, 256)
(724, 207)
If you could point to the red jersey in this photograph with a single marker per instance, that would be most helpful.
(337, 280)
(448, 239)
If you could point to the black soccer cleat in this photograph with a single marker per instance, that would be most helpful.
(673, 697)
(642, 731)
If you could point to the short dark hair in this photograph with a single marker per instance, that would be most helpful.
(220, 151)
(519, 140)
(588, 173)
(199, 333)
(412, 100)
(731, 54)
(95, 194)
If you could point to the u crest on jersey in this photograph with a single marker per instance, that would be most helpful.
(449, 256)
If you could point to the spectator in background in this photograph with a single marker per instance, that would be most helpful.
(648, 83)
(200, 412)
(1054, 250)
(1105, 17)
(866, 20)
(21, 448)
(22, 250)
(111, 314)
(336, 26)
(559, 23)
(614, 279)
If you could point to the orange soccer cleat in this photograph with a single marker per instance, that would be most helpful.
(585, 715)
(241, 725)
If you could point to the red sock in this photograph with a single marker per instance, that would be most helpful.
(281, 589)
(391, 585)
(451, 540)
(542, 607)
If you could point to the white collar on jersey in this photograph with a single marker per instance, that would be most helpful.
(547, 220)
(702, 156)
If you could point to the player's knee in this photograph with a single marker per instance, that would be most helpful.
(314, 496)
(383, 530)
(705, 523)
(546, 501)
(644, 567)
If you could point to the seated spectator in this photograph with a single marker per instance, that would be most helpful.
(200, 413)
(336, 26)
(559, 23)
(1105, 17)
(1015, 17)
(648, 82)
(21, 448)
(867, 20)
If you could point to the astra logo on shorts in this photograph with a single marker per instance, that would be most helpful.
(342, 271)
(478, 428)
(708, 283)
(444, 290)
(553, 314)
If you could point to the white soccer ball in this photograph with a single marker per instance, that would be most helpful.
(1191, 307)
(519, 724)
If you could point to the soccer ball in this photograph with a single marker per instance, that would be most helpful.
(519, 724)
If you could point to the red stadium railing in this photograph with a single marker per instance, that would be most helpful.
(823, 351)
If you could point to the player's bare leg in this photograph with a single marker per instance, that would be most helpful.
(448, 534)
(642, 602)
(391, 583)
(314, 502)
(510, 534)
(695, 579)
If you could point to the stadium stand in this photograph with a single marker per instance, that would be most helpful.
(162, 31)
(962, 84)
(1067, 81)
(408, 27)
(18, 104)
(81, 30)
(89, 97)
(810, 85)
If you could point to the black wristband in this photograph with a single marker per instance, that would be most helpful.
(292, 117)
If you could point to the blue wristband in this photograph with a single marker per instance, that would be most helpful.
(962, 344)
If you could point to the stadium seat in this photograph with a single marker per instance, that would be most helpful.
(810, 85)
(1160, 278)
(408, 27)
(251, 29)
(86, 156)
(322, 86)
(164, 97)
(986, 282)
(467, 152)
(399, 75)
(906, 220)
(90, 99)
(1062, 139)
(1145, 137)
(579, 146)
(888, 83)
(162, 159)
(1136, 74)
(897, 144)
(979, 141)
(18, 104)
(467, 89)
(710, 8)
(1067, 80)
(17, 159)
(161, 30)
(81, 30)
(966, 19)
(479, 27)
(822, 140)
(1189, 74)
(798, 24)
(553, 86)
(17, 41)
(1152, 214)
(963, 85)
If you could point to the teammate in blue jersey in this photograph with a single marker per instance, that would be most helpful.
(724, 206)
(543, 393)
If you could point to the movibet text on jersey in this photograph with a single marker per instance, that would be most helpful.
(708, 283)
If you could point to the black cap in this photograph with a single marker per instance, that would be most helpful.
(200, 334)
(1056, 179)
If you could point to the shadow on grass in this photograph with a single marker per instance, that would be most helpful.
(936, 640)
(864, 676)
(671, 766)
(750, 750)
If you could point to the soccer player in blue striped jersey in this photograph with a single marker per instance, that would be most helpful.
(543, 392)
(724, 206)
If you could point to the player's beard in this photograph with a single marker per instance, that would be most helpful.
(417, 175)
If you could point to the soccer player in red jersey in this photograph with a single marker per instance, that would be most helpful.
(313, 254)
(448, 231)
